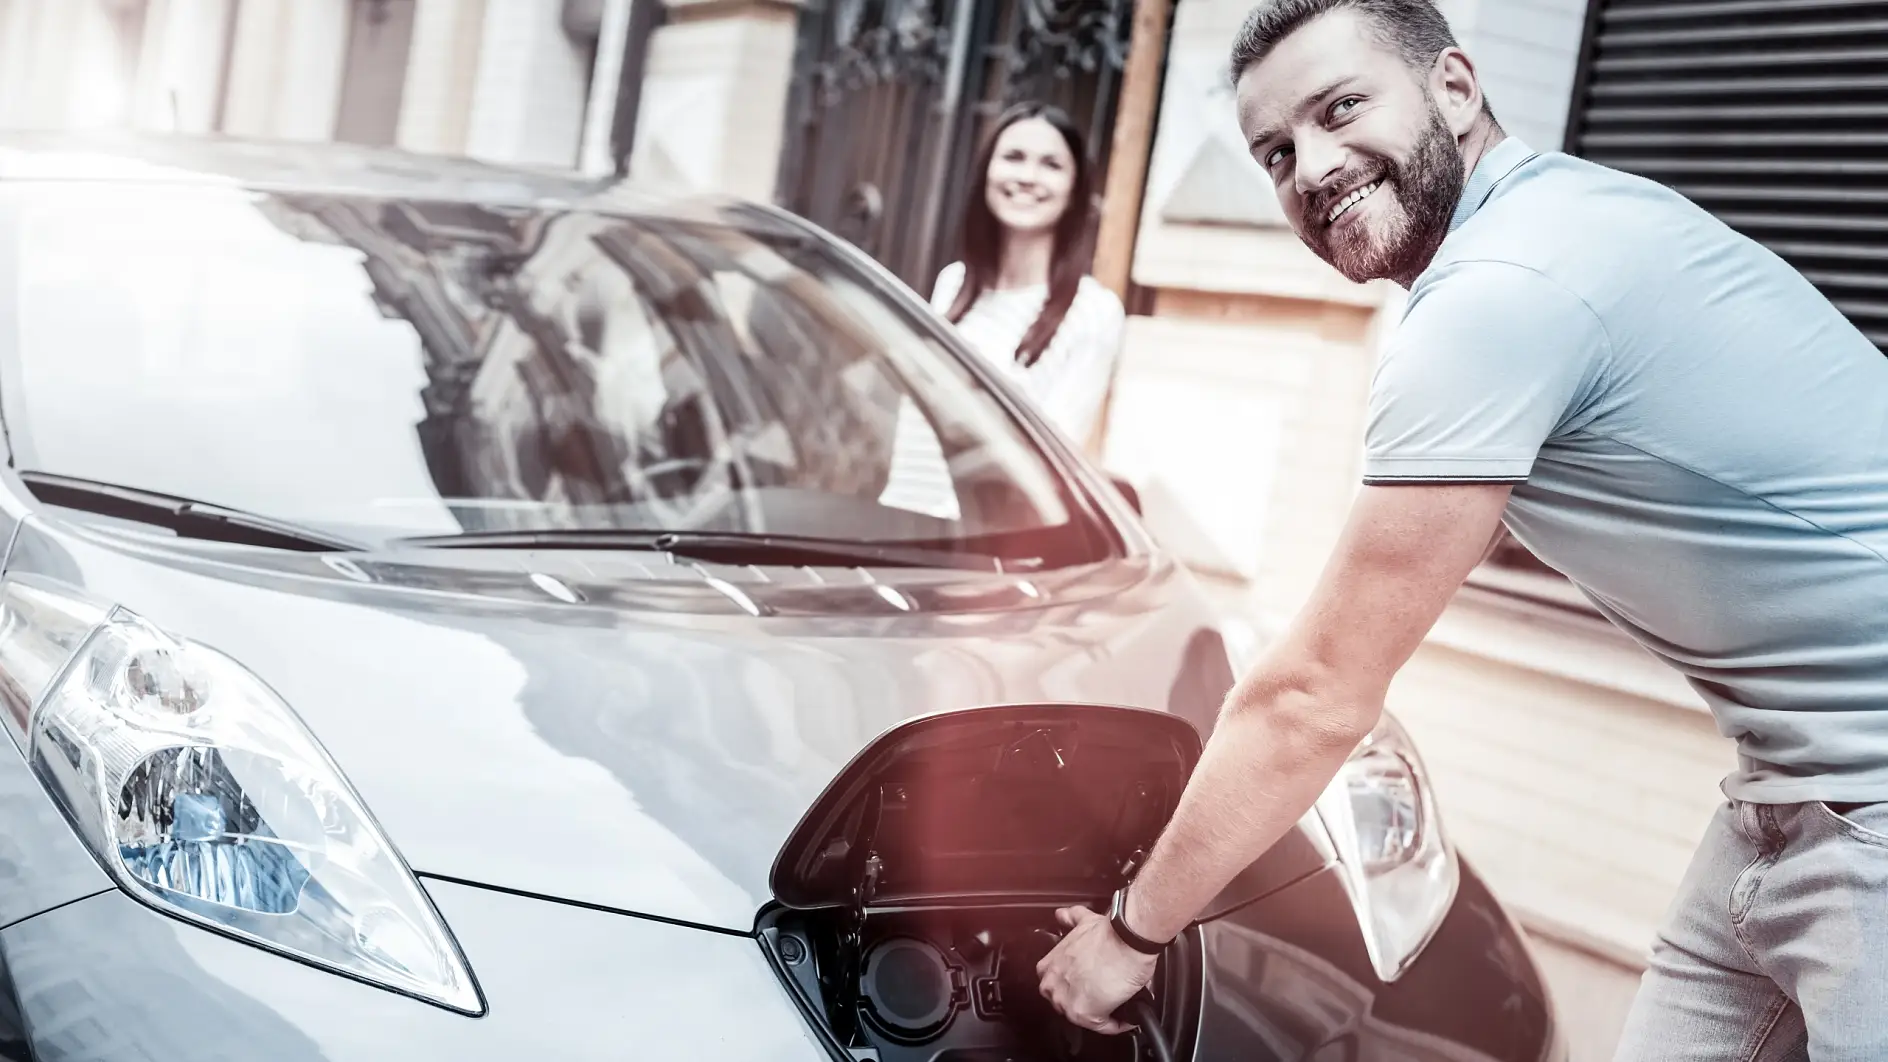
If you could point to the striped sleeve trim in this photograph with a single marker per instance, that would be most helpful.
(1435, 469)
(1378, 481)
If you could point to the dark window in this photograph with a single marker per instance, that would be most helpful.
(1769, 115)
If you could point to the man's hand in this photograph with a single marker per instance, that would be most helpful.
(1091, 972)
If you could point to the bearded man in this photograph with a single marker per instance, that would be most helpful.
(1659, 408)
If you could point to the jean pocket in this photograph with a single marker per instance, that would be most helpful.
(1867, 823)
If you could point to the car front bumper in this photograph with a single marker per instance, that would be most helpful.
(107, 979)
(1288, 979)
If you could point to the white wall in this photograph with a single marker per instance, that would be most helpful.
(441, 72)
(1526, 51)
(532, 82)
(714, 98)
(67, 63)
(180, 71)
(285, 72)
(499, 80)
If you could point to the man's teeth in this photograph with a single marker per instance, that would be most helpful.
(1353, 199)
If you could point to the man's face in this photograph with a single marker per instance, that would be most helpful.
(1365, 166)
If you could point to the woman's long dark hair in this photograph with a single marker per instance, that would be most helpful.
(982, 249)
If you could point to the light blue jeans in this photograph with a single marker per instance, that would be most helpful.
(1777, 945)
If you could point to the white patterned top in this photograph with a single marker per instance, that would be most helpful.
(1069, 379)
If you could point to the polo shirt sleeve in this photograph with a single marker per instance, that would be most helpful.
(1489, 362)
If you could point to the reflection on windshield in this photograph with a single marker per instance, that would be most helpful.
(425, 368)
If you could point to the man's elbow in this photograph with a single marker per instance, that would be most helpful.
(1313, 708)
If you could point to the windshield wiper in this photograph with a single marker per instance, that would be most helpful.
(721, 547)
(189, 519)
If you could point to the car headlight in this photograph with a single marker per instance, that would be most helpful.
(1400, 871)
(203, 795)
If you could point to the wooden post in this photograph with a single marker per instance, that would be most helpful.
(1127, 166)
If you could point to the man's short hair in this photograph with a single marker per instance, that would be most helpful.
(1413, 29)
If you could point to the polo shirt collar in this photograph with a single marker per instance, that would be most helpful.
(1501, 160)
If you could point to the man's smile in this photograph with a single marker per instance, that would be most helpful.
(1344, 205)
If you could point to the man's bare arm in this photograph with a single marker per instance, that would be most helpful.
(1287, 727)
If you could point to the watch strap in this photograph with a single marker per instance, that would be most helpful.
(1117, 918)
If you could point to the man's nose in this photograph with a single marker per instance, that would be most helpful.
(1320, 160)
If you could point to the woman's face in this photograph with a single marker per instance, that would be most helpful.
(1030, 177)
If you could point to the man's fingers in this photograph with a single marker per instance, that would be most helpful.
(1057, 1004)
(1043, 964)
(1076, 917)
(1107, 1026)
(1066, 973)
(1059, 998)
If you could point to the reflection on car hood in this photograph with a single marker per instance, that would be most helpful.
(616, 729)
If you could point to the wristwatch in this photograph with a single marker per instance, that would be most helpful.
(1117, 917)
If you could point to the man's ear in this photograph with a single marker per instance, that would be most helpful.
(1457, 90)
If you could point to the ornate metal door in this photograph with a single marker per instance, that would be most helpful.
(892, 97)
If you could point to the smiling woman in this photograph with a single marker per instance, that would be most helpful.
(1020, 294)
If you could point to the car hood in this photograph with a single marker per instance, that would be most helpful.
(622, 730)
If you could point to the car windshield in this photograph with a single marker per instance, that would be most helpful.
(390, 369)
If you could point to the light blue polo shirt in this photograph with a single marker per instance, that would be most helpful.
(1699, 441)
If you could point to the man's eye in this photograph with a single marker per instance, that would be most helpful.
(1344, 106)
(1276, 156)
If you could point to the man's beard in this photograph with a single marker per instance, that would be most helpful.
(1427, 184)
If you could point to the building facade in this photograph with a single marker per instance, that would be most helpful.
(530, 82)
